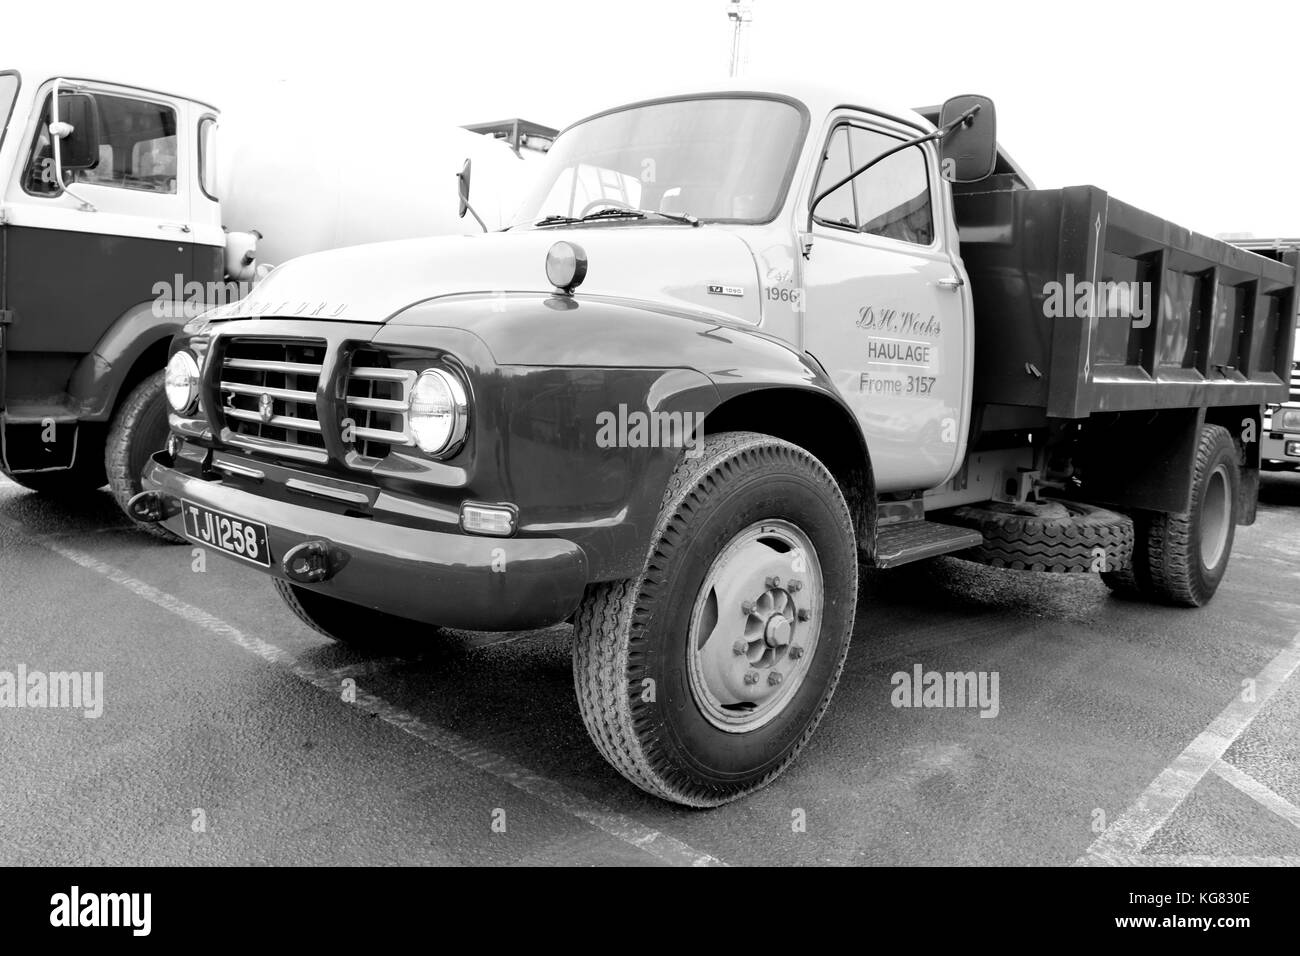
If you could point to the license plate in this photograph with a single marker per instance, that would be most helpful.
(236, 536)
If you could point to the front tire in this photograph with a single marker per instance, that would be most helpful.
(139, 429)
(702, 679)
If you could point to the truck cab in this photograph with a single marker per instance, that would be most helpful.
(737, 344)
(107, 205)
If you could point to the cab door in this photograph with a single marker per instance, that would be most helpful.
(887, 308)
(81, 256)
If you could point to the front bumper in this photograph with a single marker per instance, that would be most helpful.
(454, 580)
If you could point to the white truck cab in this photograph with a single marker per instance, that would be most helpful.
(115, 228)
(106, 189)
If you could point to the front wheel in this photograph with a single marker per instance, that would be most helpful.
(139, 429)
(701, 679)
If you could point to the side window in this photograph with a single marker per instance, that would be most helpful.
(893, 195)
(138, 151)
(208, 156)
(837, 209)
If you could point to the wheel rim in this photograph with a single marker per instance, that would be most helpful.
(755, 626)
(1216, 515)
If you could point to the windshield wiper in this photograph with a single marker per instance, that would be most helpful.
(620, 212)
(627, 212)
(556, 219)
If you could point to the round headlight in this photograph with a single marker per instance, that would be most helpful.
(566, 266)
(1287, 419)
(181, 382)
(438, 411)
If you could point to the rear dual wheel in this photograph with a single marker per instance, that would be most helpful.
(1181, 558)
(701, 679)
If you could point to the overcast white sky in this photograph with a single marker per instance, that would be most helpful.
(1186, 109)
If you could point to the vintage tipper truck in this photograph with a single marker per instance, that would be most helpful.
(739, 344)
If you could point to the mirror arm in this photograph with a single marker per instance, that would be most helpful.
(86, 205)
(965, 119)
(464, 197)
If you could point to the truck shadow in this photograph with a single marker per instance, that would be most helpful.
(512, 694)
(46, 514)
(89, 513)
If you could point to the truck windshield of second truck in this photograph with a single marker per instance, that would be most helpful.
(723, 159)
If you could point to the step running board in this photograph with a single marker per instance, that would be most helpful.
(911, 541)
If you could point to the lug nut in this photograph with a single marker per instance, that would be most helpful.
(803, 614)
(773, 582)
(751, 678)
(747, 607)
(796, 652)
(739, 647)
(774, 678)
(795, 586)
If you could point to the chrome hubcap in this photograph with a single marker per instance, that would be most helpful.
(755, 625)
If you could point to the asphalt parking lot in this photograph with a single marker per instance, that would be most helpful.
(231, 734)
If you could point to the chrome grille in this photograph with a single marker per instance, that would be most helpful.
(1295, 382)
(268, 396)
(377, 399)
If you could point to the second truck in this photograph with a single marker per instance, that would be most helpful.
(120, 219)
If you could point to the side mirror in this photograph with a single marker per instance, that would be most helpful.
(462, 183)
(78, 131)
(970, 152)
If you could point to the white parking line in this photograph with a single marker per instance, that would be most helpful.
(1163, 859)
(1130, 833)
(1258, 792)
(557, 795)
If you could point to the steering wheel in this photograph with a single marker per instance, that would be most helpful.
(597, 203)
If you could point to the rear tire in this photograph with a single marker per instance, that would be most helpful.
(139, 429)
(1186, 555)
(701, 679)
(352, 624)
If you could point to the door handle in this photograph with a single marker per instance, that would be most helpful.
(178, 226)
(951, 283)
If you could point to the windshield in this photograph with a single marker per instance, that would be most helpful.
(726, 159)
(8, 91)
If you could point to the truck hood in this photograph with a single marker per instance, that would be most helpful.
(706, 269)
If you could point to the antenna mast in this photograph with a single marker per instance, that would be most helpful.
(739, 12)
